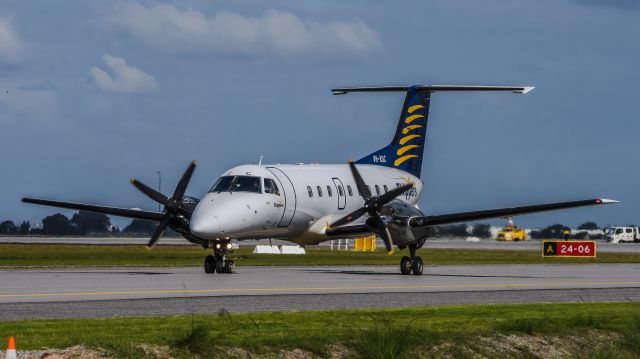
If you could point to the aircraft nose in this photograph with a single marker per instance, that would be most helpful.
(208, 228)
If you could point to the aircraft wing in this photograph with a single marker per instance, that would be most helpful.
(450, 218)
(115, 211)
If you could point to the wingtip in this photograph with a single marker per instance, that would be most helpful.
(194, 162)
(132, 180)
(606, 201)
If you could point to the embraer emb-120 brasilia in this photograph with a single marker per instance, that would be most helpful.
(309, 204)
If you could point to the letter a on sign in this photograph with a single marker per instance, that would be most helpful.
(548, 249)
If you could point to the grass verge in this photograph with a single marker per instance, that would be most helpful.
(585, 330)
(62, 255)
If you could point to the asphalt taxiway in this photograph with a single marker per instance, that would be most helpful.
(63, 293)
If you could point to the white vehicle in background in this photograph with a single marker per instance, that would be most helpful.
(622, 234)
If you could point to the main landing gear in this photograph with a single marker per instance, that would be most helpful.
(218, 261)
(411, 264)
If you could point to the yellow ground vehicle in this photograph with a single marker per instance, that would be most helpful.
(511, 233)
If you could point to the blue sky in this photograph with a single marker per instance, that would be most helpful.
(93, 93)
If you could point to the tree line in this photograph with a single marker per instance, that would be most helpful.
(80, 224)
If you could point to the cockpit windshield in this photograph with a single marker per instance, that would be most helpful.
(237, 184)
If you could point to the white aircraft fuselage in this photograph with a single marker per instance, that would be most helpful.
(308, 198)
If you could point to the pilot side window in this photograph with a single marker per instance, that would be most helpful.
(319, 191)
(386, 189)
(310, 191)
(329, 192)
(270, 186)
(350, 190)
(377, 190)
(237, 184)
(629, 230)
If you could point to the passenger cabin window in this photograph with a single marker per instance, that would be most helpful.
(377, 190)
(329, 192)
(319, 191)
(340, 191)
(386, 189)
(237, 184)
(270, 186)
(310, 191)
(350, 190)
(369, 188)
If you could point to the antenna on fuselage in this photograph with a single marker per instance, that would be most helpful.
(260, 160)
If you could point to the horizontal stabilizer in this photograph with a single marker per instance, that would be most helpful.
(432, 88)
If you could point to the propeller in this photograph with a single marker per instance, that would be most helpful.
(173, 207)
(372, 206)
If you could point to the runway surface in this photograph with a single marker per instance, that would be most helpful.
(62, 293)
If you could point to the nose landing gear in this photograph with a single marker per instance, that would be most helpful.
(413, 264)
(218, 261)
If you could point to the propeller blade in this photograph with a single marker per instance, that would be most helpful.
(158, 232)
(384, 232)
(349, 217)
(150, 192)
(184, 181)
(362, 187)
(389, 196)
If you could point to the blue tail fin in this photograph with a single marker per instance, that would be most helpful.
(406, 149)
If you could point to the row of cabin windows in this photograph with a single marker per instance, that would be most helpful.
(329, 191)
(349, 190)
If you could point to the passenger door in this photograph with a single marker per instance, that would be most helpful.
(340, 190)
(289, 196)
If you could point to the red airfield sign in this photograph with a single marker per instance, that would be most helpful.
(568, 248)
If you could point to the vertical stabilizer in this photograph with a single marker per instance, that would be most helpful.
(406, 149)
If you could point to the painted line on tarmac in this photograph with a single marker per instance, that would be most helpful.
(317, 289)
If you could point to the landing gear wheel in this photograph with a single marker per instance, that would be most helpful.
(416, 266)
(220, 267)
(229, 266)
(405, 265)
(209, 265)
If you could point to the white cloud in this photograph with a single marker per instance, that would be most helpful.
(282, 33)
(9, 42)
(124, 78)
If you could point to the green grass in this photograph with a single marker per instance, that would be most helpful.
(366, 333)
(63, 255)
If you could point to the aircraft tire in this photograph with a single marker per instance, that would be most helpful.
(220, 267)
(209, 265)
(416, 266)
(229, 266)
(405, 265)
